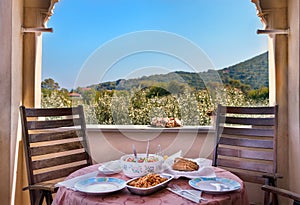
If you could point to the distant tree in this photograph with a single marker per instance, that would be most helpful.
(175, 87)
(155, 91)
(50, 84)
(259, 94)
(53, 96)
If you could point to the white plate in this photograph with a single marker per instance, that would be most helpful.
(100, 185)
(111, 167)
(214, 185)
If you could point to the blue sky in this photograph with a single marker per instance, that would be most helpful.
(224, 30)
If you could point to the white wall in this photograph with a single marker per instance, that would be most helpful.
(11, 17)
(294, 98)
(110, 144)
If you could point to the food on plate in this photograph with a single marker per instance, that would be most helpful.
(142, 159)
(182, 164)
(147, 181)
(166, 122)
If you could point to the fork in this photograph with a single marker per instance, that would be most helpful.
(178, 188)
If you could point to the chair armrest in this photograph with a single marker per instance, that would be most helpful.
(47, 187)
(282, 192)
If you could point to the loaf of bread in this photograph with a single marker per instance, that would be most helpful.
(182, 164)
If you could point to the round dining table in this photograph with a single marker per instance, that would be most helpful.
(65, 196)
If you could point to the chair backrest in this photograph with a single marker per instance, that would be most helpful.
(55, 142)
(246, 141)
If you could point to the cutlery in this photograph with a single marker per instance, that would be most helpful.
(158, 151)
(147, 149)
(134, 152)
(187, 191)
(186, 194)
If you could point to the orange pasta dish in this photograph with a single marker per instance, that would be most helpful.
(147, 181)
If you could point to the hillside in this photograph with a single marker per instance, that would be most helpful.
(252, 72)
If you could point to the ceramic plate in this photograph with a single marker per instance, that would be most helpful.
(214, 185)
(100, 185)
(111, 167)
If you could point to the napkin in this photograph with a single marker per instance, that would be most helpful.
(69, 184)
(110, 167)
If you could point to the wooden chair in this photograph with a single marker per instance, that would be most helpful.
(282, 192)
(55, 145)
(246, 143)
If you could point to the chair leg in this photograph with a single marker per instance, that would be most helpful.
(267, 198)
(33, 194)
(274, 199)
(48, 197)
(36, 197)
(39, 198)
(270, 199)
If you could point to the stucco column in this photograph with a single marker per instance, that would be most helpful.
(36, 13)
(275, 13)
(294, 98)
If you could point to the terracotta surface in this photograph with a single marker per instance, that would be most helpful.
(68, 197)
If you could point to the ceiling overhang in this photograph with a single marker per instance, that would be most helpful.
(49, 13)
(267, 10)
(37, 15)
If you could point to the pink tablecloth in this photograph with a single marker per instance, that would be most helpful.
(66, 196)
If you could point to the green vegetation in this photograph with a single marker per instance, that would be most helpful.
(178, 94)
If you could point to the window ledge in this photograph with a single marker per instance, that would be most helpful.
(147, 128)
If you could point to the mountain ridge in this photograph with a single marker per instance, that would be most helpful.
(252, 73)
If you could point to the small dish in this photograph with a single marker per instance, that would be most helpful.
(100, 185)
(150, 190)
(215, 185)
(111, 167)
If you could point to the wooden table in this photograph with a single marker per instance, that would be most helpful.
(66, 196)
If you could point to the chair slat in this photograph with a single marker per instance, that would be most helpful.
(253, 178)
(249, 110)
(51, 162)
(247, 131)
(248, 154)
(258, 143)
(60, 173)
(250, 121)
(50, 124)
(52, 136)
(246, 165)
(42, 150)
(51, 112)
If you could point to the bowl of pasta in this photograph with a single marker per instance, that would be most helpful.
(148, 184)
(141, 165)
